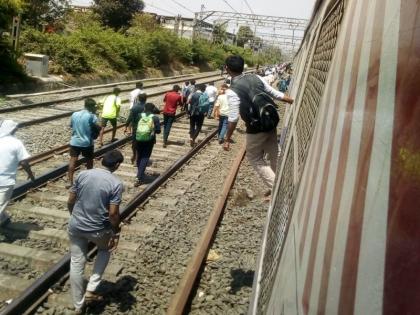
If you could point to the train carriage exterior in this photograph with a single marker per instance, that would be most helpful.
(343, 231)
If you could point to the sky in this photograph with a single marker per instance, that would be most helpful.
(284, 8)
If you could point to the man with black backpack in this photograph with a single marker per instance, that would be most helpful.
(198, 106)
(147, 128)
(251, 97)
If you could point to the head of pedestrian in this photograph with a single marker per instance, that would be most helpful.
(192, 82)
(139, 85)
(187, 83)
(90, 105)
(112, 160)
(202, 87)
(116, 91)
(176, 88)
(149, 108)
(234, 65)
(142, 98)
(223, 88)
(211, 83)
(8, 128)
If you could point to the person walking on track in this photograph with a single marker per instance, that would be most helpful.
(172, 100)
(134, 94)
(84, 129)
(197, 109)
(251, 97)
(93, 204)
(147, 128)
(221, 111)
(133, 120)
(13, 154)
(211, 92)
(110, 112)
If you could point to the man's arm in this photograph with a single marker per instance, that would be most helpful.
(274, 93)
(25, 165)
(234, 102)
(71, 201)
(114, 219)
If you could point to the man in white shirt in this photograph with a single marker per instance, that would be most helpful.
(134, 94)
(13, 153)
(259, 140)
(211, 92)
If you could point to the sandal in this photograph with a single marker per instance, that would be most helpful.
(91, 297)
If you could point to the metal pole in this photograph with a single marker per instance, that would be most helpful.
(16, 31)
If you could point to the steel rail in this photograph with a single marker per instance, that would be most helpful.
(78, 98)
(69, 113)
(21, 189)
(92, 87)
(20, 304)
(186, 284)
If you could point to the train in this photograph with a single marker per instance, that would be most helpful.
(342, 234)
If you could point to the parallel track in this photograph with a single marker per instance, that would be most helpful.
(36, 237)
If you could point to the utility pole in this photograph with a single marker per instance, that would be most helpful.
(16, 32)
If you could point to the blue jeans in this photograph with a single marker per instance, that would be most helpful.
(144, 151)
(196, 122)
(167, 125)
(221, 131)
(211, 104)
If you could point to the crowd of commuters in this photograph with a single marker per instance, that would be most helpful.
(96, 193)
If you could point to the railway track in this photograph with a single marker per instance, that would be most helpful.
(62, 106)
(36, 239)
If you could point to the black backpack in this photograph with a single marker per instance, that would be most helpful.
(257, 108)
(266, 118)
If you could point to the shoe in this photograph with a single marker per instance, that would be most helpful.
(138, 183)
(221, 141)
(5, 219)
(165, 144)
(192, 143)
(113, 140)
(92, 297)
(79, 311)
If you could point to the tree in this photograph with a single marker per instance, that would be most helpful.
(243, 35)
(39, 12)
(145, 22)
(117, 13)
(8, 9)
(219, 33)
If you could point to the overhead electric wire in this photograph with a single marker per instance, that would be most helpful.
(183, 6)
(153, 6)
(230, 6)
(249, 7)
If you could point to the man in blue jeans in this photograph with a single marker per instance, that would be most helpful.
(145, 148)
(93, 204)
(172, 100)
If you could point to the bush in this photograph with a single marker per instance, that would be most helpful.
(89, 47)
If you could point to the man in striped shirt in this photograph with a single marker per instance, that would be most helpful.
(240, 97)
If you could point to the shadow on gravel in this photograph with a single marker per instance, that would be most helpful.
(118, 297)
(240, 278)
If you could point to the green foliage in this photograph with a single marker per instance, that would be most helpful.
(10, 69)
(39, 12)
(244, 35)
(117, 13)
(87, 46)
(8, 9)
(219, 34)
(145, 22)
